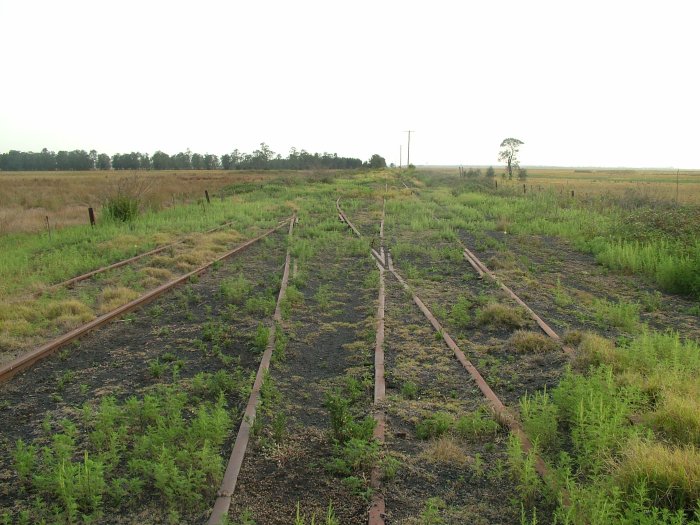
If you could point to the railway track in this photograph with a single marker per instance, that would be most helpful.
(23, 401)
(504, 415)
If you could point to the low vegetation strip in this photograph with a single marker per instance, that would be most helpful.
(23, 362)
(130, 260)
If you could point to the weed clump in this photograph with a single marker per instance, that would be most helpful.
(594, 350)
(435, 425)
(621, 315)
(116, 296)
(677, 418)
(235, 289)
(526, 342)
(459, 314)
(70, 312)
(496, 314)
(409, 390)
(142, 448)
(447, 451)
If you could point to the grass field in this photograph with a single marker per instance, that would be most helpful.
(615, 273)
(27, 198)
(634, 185)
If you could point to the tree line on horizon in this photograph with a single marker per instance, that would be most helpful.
(261, 159)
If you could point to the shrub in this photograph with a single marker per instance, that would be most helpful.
(123, 208)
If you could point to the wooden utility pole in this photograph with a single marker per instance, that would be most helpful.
(408, 158)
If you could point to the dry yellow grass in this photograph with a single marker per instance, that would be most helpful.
(594, 350)
(671, 474)
(650, 184)
(161, 274)
(677, 417)
(533, 342)
(445, 450)
(26, 198)
(114, 296)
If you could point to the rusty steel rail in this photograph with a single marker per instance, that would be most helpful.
(25, 361)
(473, 264)
(377, 510)
(483, 270)
(124, 262)
(233, 468)
(345, 219)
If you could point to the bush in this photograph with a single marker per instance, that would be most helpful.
(123, 208)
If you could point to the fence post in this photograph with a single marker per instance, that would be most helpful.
(48, 227)
(524, 189)
(572, 193)
(91, 214)
(206, 194)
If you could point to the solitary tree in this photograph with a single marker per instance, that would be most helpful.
(490, 172)
(377, 161)
(509, 153)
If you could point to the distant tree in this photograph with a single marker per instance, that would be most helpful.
(377, 161)
(522, 173)
(211, 162)
(161, 161)
(509, 154)
(144, 161)
(226, 162)
(490, 172)
(103, 162)
(93, 159)
(182, 160)
(197, 161)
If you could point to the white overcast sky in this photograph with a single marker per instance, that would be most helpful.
(582, 83)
